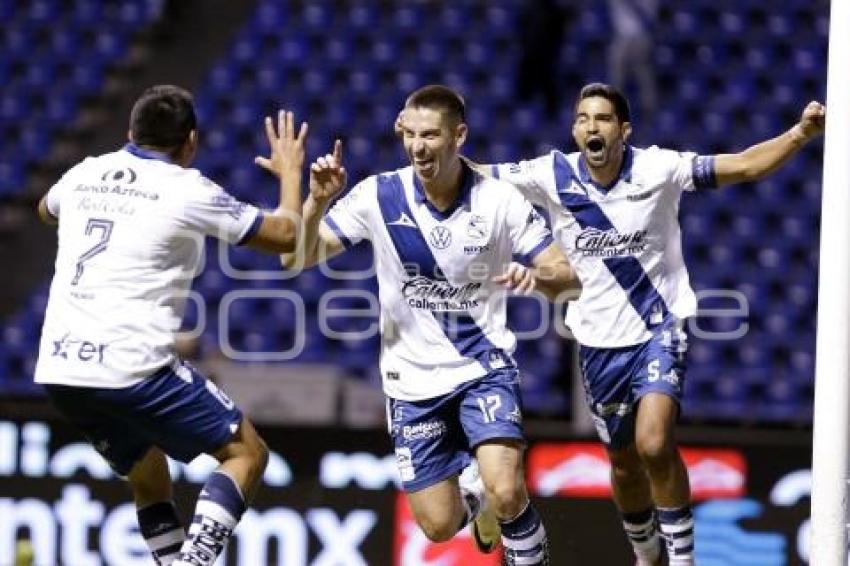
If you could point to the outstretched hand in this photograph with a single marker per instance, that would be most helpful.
(517, 278)
(813, 120)
(327, 175)
(286, 148)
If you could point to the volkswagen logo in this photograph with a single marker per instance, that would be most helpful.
(440, 237)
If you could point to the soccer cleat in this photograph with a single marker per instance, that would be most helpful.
(662, 558)
(485, 527)
(486, 531)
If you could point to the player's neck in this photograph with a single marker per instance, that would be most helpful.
(606, 174)
(443, 191)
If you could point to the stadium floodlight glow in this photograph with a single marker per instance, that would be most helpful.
(832, 366)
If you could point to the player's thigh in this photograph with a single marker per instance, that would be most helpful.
(491, 409)
(659, 385)
(607, 377)
(428, 441)
(116, 440)
(655, 423)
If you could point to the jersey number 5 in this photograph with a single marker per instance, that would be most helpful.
(105, 229)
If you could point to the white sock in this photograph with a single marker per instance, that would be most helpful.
(219, 508)
(677, 528)
(643, 536)
(160, 527)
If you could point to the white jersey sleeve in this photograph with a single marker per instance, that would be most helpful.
(531, 177)
(528, 231)
(54, 194)
(212, 211)
(688, 171)
(349, 217)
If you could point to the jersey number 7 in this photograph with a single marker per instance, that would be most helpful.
(105, 229)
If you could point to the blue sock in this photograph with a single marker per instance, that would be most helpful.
(677, 528)
(220, 506)
(524, 539)
(160, 526)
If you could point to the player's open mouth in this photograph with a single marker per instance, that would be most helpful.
(424, 165)
(595, 148)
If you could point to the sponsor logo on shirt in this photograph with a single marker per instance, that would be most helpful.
(476, 249)
(73, 348)
(424, 293)
(593, 242)
(115, 190)
(125, 175)
(641, 196)
(440, 237)
(477, 227)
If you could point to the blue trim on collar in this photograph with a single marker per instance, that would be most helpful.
(143, 153)
(625, 173)
(464, 196)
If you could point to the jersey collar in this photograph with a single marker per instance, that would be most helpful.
(464, 197)
(143, 153)
(624, 175)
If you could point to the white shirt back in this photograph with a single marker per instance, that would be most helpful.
(131, 236)
(442, 317)
(624, 240)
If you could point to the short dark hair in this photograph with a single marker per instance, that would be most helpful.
(440, 97)
(162, 117)
(610, 93)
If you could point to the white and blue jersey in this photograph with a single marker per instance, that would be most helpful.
(443, 319)
(623, 240)
(131, 236)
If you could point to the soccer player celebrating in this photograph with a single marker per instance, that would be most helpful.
(131, 230)
(443, 238)
(615, 210)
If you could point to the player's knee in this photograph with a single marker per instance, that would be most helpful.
(507, 498)
(656, 449)
(437, 529)
(259, 454)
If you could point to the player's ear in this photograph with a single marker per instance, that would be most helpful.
(186, 153)
(461, 132)
(626, 130)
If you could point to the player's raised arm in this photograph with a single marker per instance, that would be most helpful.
(762, 159)
(319, 242)
(279, 230)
